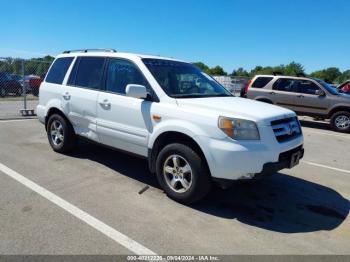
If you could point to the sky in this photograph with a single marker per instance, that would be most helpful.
(230, 33)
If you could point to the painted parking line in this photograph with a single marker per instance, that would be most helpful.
(16, 120)
(108, 231)
(328, 167)
(326, 134)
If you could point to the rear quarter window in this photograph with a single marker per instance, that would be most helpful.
(261, 82)
(58, 70)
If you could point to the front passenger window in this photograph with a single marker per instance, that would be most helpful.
(307, 87)
(121, 73)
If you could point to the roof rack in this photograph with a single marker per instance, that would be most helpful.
(277, 73)
(89, 50)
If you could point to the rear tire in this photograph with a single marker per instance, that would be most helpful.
(340, 121)
(60, 134)
(19, 92)
(35, 91)
(2, 92)
(185, 179)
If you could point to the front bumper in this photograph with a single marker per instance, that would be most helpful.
(234, 160)
(284, 161)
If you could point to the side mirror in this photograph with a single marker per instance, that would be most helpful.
(137, 91)
(320, 92)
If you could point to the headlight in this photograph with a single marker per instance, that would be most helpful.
(239, 129)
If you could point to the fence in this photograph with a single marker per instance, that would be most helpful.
(233, 84)
(20, 80)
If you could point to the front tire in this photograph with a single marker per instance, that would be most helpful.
(340, 121)
(60, 134)
(182, 173)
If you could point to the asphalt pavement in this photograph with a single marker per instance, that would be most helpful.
(88, 202)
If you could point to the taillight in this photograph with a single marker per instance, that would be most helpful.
(246, 87)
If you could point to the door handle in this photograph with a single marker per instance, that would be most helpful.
(105, 103)
(66, 96)
(272, 93)
(300, 96)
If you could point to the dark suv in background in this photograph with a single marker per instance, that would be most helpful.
(304, 95)
(9, 84)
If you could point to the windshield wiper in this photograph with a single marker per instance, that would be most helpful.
(200, 95)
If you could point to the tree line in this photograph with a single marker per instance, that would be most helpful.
(330, 75)
(39, 66)
(35, 66)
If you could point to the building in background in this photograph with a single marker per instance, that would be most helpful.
(233, 84)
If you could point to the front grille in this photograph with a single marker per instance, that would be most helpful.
(286, 129)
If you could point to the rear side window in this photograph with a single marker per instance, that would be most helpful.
(88, 72)
(284, 84)
(261, 82)
(58, 70)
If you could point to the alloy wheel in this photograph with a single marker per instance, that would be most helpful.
(342, 122)
(177, 173)
(56, 133)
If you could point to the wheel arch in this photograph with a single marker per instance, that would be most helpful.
(265, 100)
(337, 109)
(55, 110)
(169, 137)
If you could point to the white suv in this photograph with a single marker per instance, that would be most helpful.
(190, 128)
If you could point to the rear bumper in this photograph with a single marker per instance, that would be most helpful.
(41, 113)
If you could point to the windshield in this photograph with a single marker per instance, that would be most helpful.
(330, 89)
(183, 80)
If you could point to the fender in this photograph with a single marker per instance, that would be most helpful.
(182, 126)
(338, 107)
(263, 99)
(53, 103)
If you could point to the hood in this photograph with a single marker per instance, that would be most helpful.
(235, 107)
(345, 96)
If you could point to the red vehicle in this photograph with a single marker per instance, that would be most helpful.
(345, 87)
(33, 83)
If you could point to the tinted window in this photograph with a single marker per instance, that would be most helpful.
(120, 73)
(59, 70)
(328, 87)
(89, 72)
(284, 84)
(260, 82)
(183, 80)
(4, 77)
(306, 87)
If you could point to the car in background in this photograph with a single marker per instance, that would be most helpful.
(304, 95)
(32, 83)
(344, 87)
(9, 85)
(233, 84)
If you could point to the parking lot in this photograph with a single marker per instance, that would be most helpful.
(89, 202)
